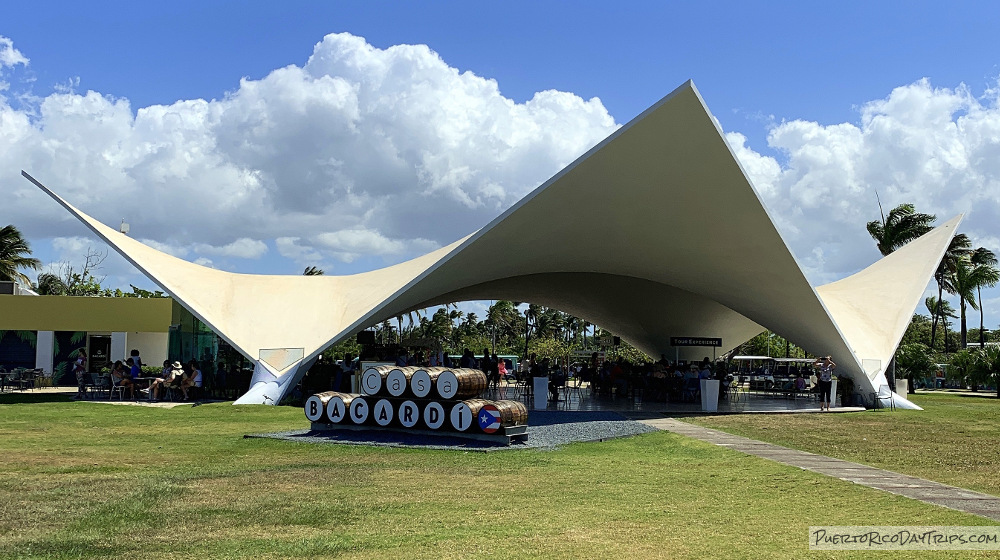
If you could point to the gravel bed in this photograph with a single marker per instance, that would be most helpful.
(546, 430)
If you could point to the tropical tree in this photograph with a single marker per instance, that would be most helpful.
(987, 275)
(961, 366)
(902, 225)
(51, 285)
(960, 246)
(963, 284)
(312, 271)
(15, 255)
(915, 361)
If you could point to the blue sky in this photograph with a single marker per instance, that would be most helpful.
(785, 80)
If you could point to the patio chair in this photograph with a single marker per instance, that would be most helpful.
(101, 385)
(880, 396)
(572, 384)
(692, 390)
(119, 389)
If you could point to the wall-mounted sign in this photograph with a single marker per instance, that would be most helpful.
(695, 341)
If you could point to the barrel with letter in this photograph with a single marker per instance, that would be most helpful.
(408, 414)
(398, 380)
(460, 383)
(423, 381)
(373, 379)
(358, 410)
(315, 406)
(434, 415)
(463, 414)
(338, 407)
(383, 412)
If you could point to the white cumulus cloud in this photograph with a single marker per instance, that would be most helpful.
(244, 248)
(357, 151)
(9, 56)
(937, 148)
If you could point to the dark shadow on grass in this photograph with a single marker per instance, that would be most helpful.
(32, 398)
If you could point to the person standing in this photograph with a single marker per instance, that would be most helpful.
(826, 367)
(80, 371)
(134, 354)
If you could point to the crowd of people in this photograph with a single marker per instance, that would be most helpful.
(661, 380)
(127, 377)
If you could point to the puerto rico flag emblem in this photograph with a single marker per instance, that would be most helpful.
(489, 419)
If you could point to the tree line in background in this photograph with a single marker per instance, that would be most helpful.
(962, 273)
(69, 281)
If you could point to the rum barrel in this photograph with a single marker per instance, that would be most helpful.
(373, 379)
(423, 381)
(409, 414)
(338, 408)
(382, 412)
(434, 415)
(398, 380)
(512, 413)
(463, 414)
(461, 383)
(359, 410)
(316, 405)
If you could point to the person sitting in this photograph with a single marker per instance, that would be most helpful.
(556, 380)
(192, 379)
(800, 383)
(727, 383)
(121, 376)
(172, 380)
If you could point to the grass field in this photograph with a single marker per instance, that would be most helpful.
(87, 480)
(954, 440)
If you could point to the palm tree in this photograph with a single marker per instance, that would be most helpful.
(14, 254)
(51, 285)
(947, 312)
(963, 284)
(902, 225)
(987, 276)
(312, 271)
(959, 246)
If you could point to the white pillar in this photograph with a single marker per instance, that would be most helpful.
(119, 341)
(710, 394)
(45, 351)
(269, 387)
(540, 387)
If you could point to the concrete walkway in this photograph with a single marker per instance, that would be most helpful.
(895, 483)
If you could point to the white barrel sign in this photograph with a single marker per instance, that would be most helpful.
(336, 409)
(314, 408)
(434, 415)
(409, 413)
(460, 383)
(421, 383)
(447, 384)
(383, 412)
(462, 417)
(359, 410)
(463, 414)
(399, 379)
(373, 379)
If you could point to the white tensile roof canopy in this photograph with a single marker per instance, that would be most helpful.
(654, 233)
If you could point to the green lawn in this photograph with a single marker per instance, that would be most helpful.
(954, 440)
(86, 480)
